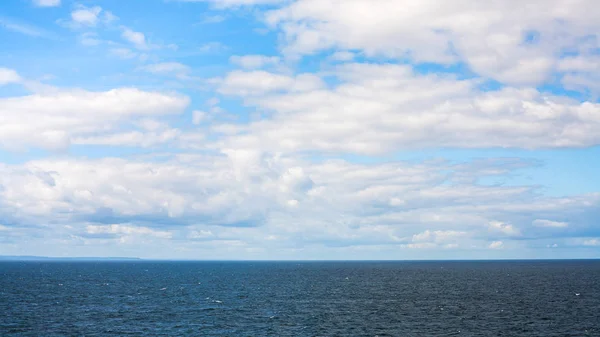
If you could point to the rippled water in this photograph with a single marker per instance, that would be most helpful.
(544, 298)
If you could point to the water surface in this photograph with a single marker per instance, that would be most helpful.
(145, 298)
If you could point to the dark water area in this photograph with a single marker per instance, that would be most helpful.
(144, 298)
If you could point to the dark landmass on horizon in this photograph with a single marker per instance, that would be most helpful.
(50, 258)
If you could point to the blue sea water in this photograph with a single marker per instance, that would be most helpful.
(145, 298)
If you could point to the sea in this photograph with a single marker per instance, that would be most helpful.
(433, 298)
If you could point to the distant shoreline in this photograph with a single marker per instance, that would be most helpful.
(50, 258)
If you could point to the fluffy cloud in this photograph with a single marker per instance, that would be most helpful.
(84, 16)
(258, 82)
(261, 200)
(492, 39)
(435, 239)
(581, 73)
(50, 120)
(504, 228)
(46, 3)
(136, 38)
(342, 56)
(8, 76)
(379, 108)
(496, 245)
(198, 116)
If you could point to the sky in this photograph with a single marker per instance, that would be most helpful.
(300, 129)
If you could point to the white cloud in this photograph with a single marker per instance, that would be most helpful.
(591, 242)
(549, 223)
(491, 38)
(198, 117)
(130, 138)
(260, 82)
(86, 16)
(83, 16)
(579, 64)
(504, 228)
(8, 76)
(24, 28)
(50, 120)
(342, 56)
(496, 245)
(253, 61)
(127, 230)
(136, 38)
(378, 108)
(581, 73)
(246, 196)
(109, 17)
(439, 237)
(46, 3)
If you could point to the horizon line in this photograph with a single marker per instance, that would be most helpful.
(96, 258)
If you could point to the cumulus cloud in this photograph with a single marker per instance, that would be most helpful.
(504, 228)
(493, 40)
(581, 73)
(496, 245)
(198, 117)
(258, 82)
(8, 76)
(138, 39)
(50, 120)
(439, 238)
(83, 16)
(342, 56)
(248, 196)
(378, 108)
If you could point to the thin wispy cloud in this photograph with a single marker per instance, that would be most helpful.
(25, 28)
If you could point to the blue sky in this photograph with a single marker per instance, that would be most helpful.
(300, 129)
